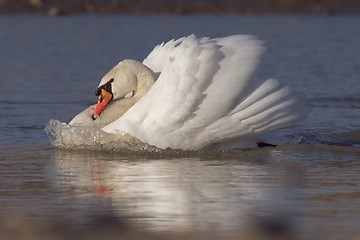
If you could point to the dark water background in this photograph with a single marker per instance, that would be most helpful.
(50, 67)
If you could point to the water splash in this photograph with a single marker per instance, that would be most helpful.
(75, 137)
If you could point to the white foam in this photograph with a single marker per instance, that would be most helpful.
(74, 137)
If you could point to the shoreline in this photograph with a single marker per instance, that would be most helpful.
(156, 7)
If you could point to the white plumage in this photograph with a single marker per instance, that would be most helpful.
(206, 96)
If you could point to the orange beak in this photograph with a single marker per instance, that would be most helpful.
(103, 100)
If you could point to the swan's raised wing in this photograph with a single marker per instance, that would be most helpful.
(197, 99)
(161, 54)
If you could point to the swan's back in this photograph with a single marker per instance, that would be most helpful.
(206, 94)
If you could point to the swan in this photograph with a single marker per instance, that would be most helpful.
(194, 93)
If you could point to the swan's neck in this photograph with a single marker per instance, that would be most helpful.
(145, 78)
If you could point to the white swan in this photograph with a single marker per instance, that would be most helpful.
(194, 93)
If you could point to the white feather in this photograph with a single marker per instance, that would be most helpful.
(206, 95)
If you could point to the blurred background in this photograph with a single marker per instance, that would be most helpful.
(55, 7)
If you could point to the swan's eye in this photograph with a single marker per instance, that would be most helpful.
(129, 95)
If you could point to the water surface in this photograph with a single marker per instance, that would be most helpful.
(50, 67)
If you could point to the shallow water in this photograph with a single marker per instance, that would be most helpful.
(50, 67)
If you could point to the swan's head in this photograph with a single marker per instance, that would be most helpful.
(128, 79)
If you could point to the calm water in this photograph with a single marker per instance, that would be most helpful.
(50, 67)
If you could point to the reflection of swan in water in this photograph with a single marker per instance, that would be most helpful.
(168, 194)
(194, 93)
